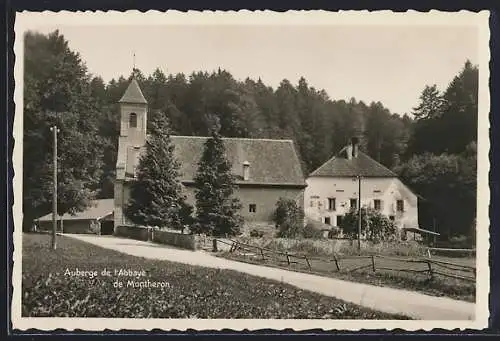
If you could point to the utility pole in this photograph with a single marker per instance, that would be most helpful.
(359, 213)
(54, 131)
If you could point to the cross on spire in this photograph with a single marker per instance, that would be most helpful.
(133, 61)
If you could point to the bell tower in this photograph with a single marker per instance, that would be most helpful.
(133, 115)
(133, 122)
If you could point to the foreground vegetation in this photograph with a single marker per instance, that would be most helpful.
(49, 290)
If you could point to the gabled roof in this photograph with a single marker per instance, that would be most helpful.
(98, 210)
(271, 162)
(133, 94)
(341, 166)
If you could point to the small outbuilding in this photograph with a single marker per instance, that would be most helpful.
(96, 219)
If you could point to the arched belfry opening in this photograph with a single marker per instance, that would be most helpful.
(132, 122)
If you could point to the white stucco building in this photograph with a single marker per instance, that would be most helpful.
(332, 190)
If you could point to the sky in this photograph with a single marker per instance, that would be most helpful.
(390, 64)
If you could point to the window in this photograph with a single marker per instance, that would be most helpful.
(340, 190)
(376, 191)
(354, 203)
(312, 203)
(331, 204)
(391, 217)
(132, 123)
(339, 220)
(377, 204)
(252, 208)
(400, 205)
(327, 221)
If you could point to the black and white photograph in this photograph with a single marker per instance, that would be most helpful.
(251, 170)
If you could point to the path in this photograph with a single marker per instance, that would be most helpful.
(409, 303)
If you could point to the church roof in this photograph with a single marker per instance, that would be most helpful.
(341, 166)
(133, 94)
(272, 162)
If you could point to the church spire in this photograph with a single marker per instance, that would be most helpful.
(133, 94)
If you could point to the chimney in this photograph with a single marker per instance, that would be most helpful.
(246, 170)
(355, 146)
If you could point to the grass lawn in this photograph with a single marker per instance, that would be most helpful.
(438, 286)
(52, 287)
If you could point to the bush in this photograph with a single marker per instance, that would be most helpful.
(374, 226)
(334, 232)
(461, 242)
(256, 233)
(288, 218)
(311, 232)
(456, 242)
(288, 230)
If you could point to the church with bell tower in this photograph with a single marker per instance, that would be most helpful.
(265, 170)
(133, 123)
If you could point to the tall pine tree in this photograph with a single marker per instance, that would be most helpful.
(216, 208)
(156, 198)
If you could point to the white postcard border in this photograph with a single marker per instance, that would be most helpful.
(25, 20)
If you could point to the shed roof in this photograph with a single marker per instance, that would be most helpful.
(98, 210)
(420, 230)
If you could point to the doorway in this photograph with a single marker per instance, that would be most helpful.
(107, 227)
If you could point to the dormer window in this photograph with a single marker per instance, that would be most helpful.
(132, 123)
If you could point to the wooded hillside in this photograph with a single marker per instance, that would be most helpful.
(433, 148)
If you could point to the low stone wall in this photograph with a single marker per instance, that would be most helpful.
(134, 232)
(185, 241)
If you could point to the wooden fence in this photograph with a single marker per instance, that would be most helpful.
(426, 266)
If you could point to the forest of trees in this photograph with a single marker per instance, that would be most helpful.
(433, 148)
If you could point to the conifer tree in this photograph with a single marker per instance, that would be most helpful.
(216, 208)
(156, 198)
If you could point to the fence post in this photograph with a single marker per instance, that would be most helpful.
(373, 263)
(262, 253)
(431, 275)
(336, 263)
(308, 264)
(214, 245)
(287, 258)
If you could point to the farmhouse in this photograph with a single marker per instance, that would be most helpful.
(97, 218)
(265, 169)
(333, 190)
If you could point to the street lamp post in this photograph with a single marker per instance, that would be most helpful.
(359, 212)
(54, 131)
